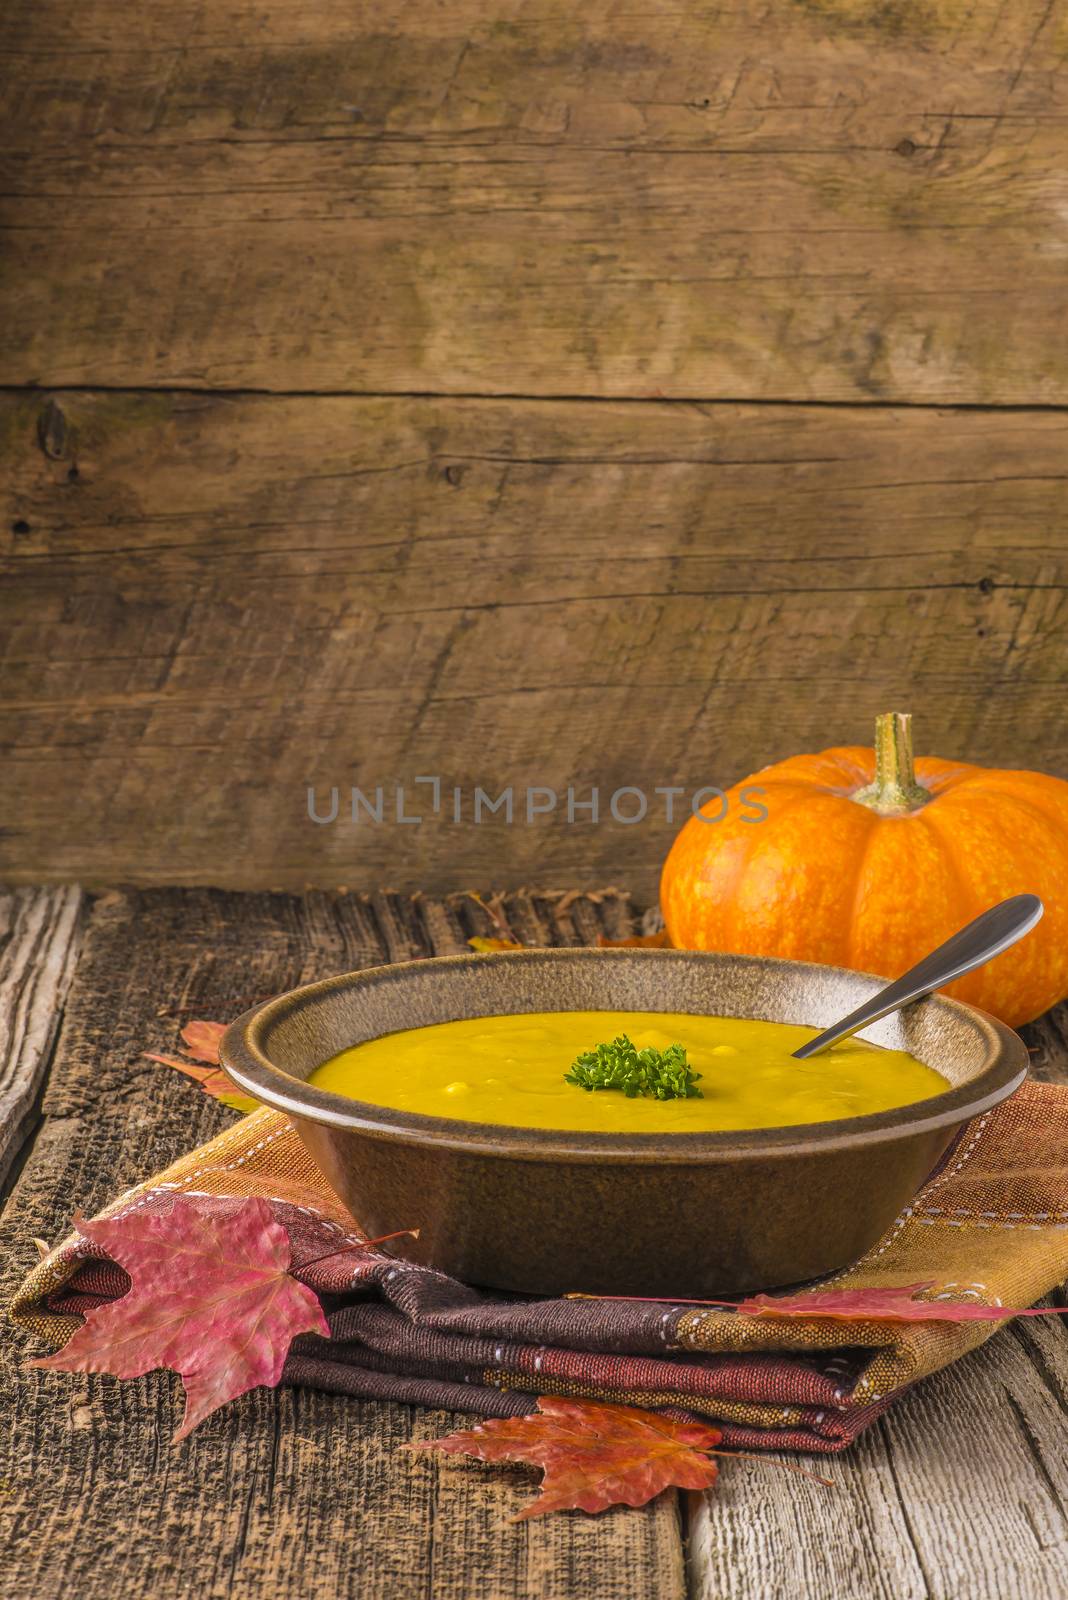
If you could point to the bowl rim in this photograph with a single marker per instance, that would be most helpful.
(244, 1058)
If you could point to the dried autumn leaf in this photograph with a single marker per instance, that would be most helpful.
(592, 1455)
(202, 1039)
(504, 939)
(896, 1304)
(637, 941)
(211, 1298)
(213, 1081)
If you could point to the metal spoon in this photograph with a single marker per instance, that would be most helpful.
(980, 941)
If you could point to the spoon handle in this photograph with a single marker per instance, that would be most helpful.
(980, 941)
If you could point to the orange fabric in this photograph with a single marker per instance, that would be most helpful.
(992, 1225)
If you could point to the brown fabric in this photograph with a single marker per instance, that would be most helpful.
(991, 1225)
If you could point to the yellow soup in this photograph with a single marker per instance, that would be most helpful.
(511, 1070)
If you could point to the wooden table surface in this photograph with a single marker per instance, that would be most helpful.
(960, 1492)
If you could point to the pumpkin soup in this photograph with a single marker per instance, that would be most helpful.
(512, 1070)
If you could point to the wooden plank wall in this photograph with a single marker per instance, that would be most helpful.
(518, 394)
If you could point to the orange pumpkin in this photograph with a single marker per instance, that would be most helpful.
(867, 860)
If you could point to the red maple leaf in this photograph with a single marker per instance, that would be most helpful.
(201, 1063)
(895, 1304)
(899, 1303)
(211, 1298)
(593, 1456)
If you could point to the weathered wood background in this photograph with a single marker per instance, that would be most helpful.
(521, 395)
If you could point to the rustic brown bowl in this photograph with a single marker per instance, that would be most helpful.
(694, 1214)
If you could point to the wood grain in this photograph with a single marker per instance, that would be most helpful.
(979, 1464)
(959, 1492)
(797, 201)
(211, 603)
(40, 934)
(287, 1492)
(805, 1540)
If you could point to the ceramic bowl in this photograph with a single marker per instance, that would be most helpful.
(693, 1215)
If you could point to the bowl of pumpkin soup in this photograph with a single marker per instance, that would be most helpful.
(620, 1121)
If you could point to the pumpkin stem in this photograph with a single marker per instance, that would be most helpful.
(895, 791)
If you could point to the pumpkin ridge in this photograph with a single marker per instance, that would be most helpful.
(1024, 803)
(938, 777)
(820, 792)
(840, 756)
(1023, 1004)
(946, 842)
(744, 858)
(940, 766)
(1015, 794)
(858, 882)
(967, 896)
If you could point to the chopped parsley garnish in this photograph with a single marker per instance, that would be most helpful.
(657, 1074)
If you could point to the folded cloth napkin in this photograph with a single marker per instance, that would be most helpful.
(991, 1226)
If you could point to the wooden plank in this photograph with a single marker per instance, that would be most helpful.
(978, 1460)
(39, 939)
(286, 1492)
(765, 1532)
(211, 603)
(961, 1490)
(833, 201)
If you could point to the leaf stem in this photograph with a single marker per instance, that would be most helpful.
(362, 1244)
(652, 1299)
